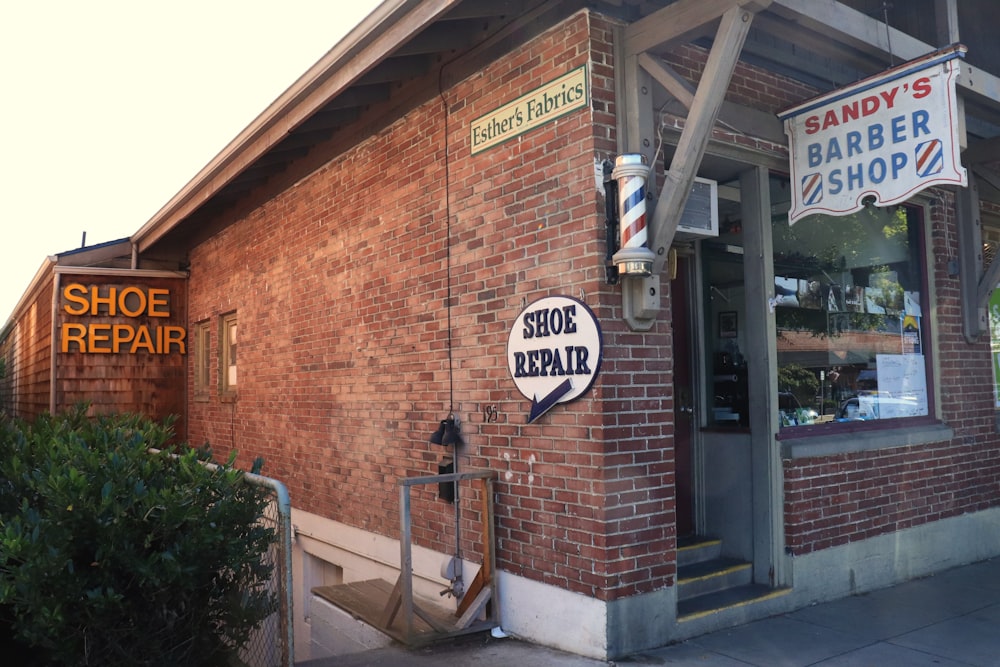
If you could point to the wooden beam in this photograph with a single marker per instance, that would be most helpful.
(991, 176)
(946, 21)
(746, 120)
(671, 81)
(986, 150)
(694, 139)
(970, 260)
(683, 20)
(843, 24)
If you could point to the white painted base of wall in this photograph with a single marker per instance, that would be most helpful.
(550, 616)
(543, 614)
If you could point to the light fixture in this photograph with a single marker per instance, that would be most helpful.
(437, 437)
(448, 433)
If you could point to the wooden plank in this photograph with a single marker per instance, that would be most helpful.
(708, 99)
(671, 81)
(683, 20)
(392, 604)
(474, 609)
(478, 583)
(377, 603)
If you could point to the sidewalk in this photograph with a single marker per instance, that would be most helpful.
(947, 620)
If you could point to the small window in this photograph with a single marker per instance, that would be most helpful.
(227, 354)
(202, 358)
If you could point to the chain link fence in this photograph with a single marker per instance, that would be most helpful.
(272, 644)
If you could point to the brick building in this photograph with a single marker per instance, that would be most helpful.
(778, 414)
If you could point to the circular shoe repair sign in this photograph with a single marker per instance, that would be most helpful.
(554, 352)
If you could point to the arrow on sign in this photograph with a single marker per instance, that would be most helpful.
(540, 407)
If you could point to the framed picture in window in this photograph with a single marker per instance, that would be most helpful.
(727, 324)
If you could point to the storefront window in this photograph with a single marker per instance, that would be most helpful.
(849, 308)
(725, 310)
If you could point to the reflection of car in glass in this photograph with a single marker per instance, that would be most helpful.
(872, 406)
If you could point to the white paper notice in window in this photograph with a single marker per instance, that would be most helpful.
(902, 385)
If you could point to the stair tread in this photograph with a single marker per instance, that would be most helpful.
(730, 597)
(695, 541)
(713, 567)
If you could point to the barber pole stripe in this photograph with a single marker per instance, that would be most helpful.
(812, 189)
(930, 157)
(632, 205)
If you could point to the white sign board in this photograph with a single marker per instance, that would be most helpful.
(554, 352)
(887, 138)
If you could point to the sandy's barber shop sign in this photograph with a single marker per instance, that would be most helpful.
(886, 137)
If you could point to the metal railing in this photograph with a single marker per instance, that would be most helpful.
(482, 594)
(273, 644)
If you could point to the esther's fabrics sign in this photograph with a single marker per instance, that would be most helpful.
(552, 100)
(887, 137)
(554, 352)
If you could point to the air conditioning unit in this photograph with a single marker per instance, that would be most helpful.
(701, 212)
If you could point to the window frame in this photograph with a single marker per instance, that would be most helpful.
(228, 355)
(833, 438)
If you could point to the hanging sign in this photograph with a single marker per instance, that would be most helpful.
(554, 352)
(887, 137)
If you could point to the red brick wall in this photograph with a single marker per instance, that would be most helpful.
(340, 286)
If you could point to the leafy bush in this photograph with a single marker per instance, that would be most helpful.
(111, 555)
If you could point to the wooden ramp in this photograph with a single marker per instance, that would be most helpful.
(396, 610)
(377, 603)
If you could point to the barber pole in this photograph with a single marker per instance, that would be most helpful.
(634, 258)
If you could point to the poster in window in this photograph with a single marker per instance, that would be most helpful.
(786, 291)
(728, 324)
(995, 344)
(854, 299)
(810, 294)
(911, 334)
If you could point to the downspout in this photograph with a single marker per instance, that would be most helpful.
(53, 355)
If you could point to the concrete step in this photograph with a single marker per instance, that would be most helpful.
(711, 576)
(697, 549)
(725, 601)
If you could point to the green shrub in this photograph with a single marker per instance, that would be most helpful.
(111, 555)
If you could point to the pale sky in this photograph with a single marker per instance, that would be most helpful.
(110, 107)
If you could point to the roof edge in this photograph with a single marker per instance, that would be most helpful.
(390, 24)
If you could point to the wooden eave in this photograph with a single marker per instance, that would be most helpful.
(406, 41)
